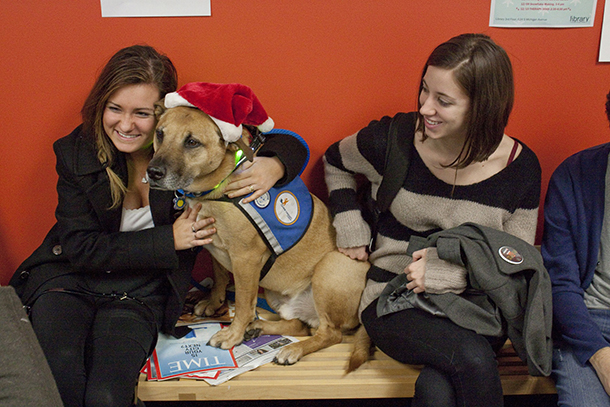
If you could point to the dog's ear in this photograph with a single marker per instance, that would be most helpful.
(159, 108)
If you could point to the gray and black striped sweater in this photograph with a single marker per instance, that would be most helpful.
(507, 201)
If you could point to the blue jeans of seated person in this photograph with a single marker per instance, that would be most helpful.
(578, 385)
(460, 365)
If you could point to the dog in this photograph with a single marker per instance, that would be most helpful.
(313, 287)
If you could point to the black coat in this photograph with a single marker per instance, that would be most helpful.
(86, 237)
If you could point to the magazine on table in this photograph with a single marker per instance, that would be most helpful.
(190, 357)
(151, 373)
(175, 357)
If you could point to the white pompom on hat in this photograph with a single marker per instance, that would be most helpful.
(229, 105)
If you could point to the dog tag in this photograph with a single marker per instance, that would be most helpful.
(179, 203)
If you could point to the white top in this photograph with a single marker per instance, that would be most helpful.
(136, 219)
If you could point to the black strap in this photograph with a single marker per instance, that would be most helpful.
(398, 157)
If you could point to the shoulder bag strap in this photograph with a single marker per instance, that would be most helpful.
(398, 157)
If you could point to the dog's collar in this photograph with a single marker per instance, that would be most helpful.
(181, 194)
(240, 157)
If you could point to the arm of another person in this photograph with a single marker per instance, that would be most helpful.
(559, 250)
(361, 153)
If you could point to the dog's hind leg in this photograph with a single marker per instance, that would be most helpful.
(325, 336)
(292, 327)
(337, 285)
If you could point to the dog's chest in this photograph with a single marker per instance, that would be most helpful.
(234, 232)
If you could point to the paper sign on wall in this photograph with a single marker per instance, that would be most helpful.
(604, 45)
(155, 8)
(542, 13)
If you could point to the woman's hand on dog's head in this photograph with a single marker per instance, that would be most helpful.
(190, 232)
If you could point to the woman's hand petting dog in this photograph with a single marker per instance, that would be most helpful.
(255, 177)
(190, 232)
(355, 253)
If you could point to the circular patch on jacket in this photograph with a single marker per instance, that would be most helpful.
(287, 208)
(510, 255)
(263, 200)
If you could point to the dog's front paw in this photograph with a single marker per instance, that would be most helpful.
(226, 338)
(289, 355)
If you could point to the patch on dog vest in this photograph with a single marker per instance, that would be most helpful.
(281, 215)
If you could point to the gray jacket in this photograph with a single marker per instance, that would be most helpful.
(509, 290)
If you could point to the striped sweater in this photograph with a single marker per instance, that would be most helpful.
(507, 201)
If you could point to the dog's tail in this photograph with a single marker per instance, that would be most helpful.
(363, 348)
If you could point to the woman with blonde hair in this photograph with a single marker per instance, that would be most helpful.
(116, 267)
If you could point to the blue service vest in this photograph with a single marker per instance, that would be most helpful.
(281, 216)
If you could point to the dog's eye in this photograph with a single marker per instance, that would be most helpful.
(159, 134)
(190, 142)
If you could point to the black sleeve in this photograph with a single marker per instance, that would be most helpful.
(290, 151)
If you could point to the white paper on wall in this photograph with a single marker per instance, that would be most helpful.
(155, 8)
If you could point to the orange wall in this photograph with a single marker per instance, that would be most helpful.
(321, 68)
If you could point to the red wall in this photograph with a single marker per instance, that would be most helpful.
(321, 68)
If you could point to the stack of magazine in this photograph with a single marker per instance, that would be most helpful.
(191, 357)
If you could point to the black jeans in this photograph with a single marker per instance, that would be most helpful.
(460, 368)
(95, 346)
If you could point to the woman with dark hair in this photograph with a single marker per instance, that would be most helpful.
(115, 268)
(462, 168)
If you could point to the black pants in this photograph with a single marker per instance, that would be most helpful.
(460, 365)
(95, 346)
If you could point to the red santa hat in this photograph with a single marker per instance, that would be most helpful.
(229, 105)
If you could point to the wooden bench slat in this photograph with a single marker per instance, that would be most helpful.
(321, 375)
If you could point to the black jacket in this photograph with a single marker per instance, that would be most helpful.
(86, 237)
(510, 290)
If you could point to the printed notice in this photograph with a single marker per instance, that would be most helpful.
(542, 13)
(155, 8)
(604, 45)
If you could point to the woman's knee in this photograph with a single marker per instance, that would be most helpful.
(477, 358)
(113, 395)
(433, 389)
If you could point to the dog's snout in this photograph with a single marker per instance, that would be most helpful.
(155, 172)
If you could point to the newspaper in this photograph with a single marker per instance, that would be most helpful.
(252, 354)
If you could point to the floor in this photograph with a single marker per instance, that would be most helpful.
(509, 401)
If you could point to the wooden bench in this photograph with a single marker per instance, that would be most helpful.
(321, 376)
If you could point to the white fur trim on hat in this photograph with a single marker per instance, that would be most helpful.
(174, 100)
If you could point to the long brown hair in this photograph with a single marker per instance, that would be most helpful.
(482, 68)
(137, 64)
